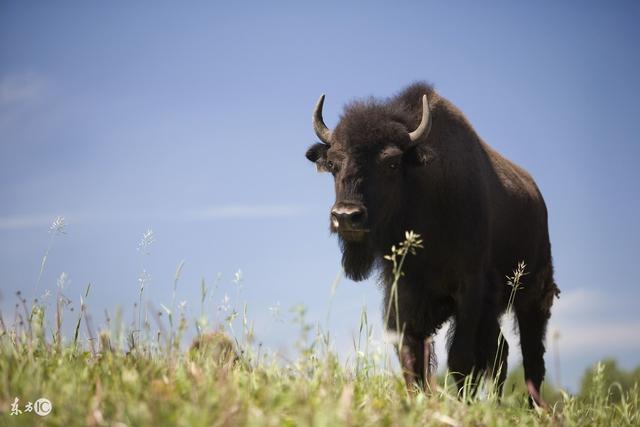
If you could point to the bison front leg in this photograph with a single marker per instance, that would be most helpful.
(462, 363)
(411, 355)
(415, 354)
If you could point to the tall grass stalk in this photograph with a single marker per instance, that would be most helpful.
(176, 279)
(408, 246)
(515, 282)
(57, 227)
(332, 293)
(148, 237)
(202, 320)
(80, 315)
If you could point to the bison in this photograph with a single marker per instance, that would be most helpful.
(414, 162)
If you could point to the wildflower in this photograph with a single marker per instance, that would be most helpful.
(237, 279)
(58, 225)
(148, 237)
(225, 306)
(275, 312)
(515, 280)
(231, 317)
(63, 280)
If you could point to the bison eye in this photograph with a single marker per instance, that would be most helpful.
(394, 165)
(331, 167)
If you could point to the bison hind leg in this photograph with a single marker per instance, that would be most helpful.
(533, 316)
(492, 351)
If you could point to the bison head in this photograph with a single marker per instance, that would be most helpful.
(371, 154)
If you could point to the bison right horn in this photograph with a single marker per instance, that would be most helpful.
(323, 132)
(425, 123)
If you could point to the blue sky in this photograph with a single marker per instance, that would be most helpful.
(193, 121)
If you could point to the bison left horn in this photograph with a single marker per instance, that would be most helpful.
(323, 132)
(425, 123)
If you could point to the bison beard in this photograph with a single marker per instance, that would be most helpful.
(414, 162)
(358, 258)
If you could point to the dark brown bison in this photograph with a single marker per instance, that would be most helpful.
(414, 162)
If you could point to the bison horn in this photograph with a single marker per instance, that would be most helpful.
(323, 132)
(425, 123)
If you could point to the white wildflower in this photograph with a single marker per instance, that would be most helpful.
(226, 303)
(275, 312)
(145, 243)
(58, 225)
(237, 279)
(63, 280)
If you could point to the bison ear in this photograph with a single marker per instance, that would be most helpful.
(420, 155)
(317, 154)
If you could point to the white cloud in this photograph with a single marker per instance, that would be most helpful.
(578, 302)
(211, 213)
(599, 335)
(589, 320)
(25, 221)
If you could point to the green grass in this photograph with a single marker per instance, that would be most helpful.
(137, 375)
(209, 385)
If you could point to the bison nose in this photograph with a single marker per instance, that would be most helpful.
(348, 217)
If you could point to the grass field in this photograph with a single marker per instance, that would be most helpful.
(139, 374)
(210, 385)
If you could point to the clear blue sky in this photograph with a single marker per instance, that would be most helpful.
(193, 121)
